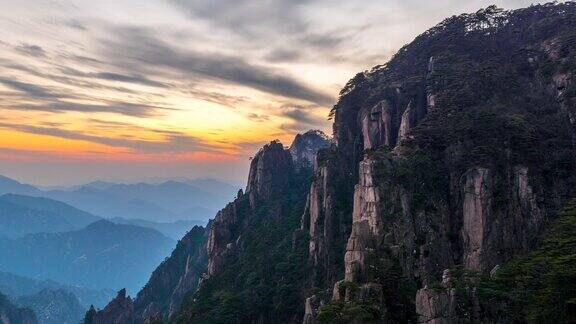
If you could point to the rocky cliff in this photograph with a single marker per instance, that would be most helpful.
(438, 203)
(462, 153)
(170, 282)
(204, 253)
(305, 146)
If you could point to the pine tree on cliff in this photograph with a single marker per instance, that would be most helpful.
(90, 315)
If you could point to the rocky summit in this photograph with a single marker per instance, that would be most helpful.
(445, 198)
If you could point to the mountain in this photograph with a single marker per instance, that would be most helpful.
(174, 230)
(213, 186)
(157, 202)
(108, 205)
(54, 307)
(21, 215)
(272, 172)
(305, 146)
(101, 255)
(17, 286)
(167, 201)
(8, 185)
(9, 313)
(448, 197)
(171, 195)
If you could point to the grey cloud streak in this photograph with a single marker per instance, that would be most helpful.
(173, 142)
(123, 108)
(139, 49)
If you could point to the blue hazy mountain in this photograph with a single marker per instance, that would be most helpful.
(166, 201)
(17, 286)
(10, 313)
(8, 185)
(101, 255)
(174, 230)
(21, 215)
(53, 306)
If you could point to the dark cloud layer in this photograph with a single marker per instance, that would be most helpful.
(30, 50)
(139, 49)
(123, 108)
(30, 90)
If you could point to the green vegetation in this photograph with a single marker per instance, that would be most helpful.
(265, 281)
(540, 287)
(336, 312)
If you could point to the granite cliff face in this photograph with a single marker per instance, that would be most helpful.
(305, 146)
(170, 282)
(462, 151)
(119, 311)
(204, 252)
(450, 164)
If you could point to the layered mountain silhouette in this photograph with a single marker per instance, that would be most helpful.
(101, 255)
(21, 215)
(168, 201)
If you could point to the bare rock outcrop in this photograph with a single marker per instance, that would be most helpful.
(119, 311)
(305, 146)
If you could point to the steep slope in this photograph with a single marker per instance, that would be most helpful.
(462, 151)
(273, 202)
(102, 255)
(439, 202)
(254, 261)
(305, 146)
(9, 313)
(174, 277)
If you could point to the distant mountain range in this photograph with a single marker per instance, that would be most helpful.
(21, 215)
(167, 201)
(10, 313)
(101, 255)
(175, 230)
(54, 306)
(16, 286)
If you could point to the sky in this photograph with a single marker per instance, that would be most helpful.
(125, 90)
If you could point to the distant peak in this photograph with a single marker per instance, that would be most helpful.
(305, 146)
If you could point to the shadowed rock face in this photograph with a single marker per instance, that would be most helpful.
(119, 311)
(305, 146)
(454, 156)
(170, 282)
(446, 149)
(269, 172)
(202, 253)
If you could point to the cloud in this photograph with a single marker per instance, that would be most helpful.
(248, 16)
(123, 108)
(303, 117)
(112, 76)
(30, 50)
(258, 118)
(30, 90)
(173, 142)
(139, 49)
